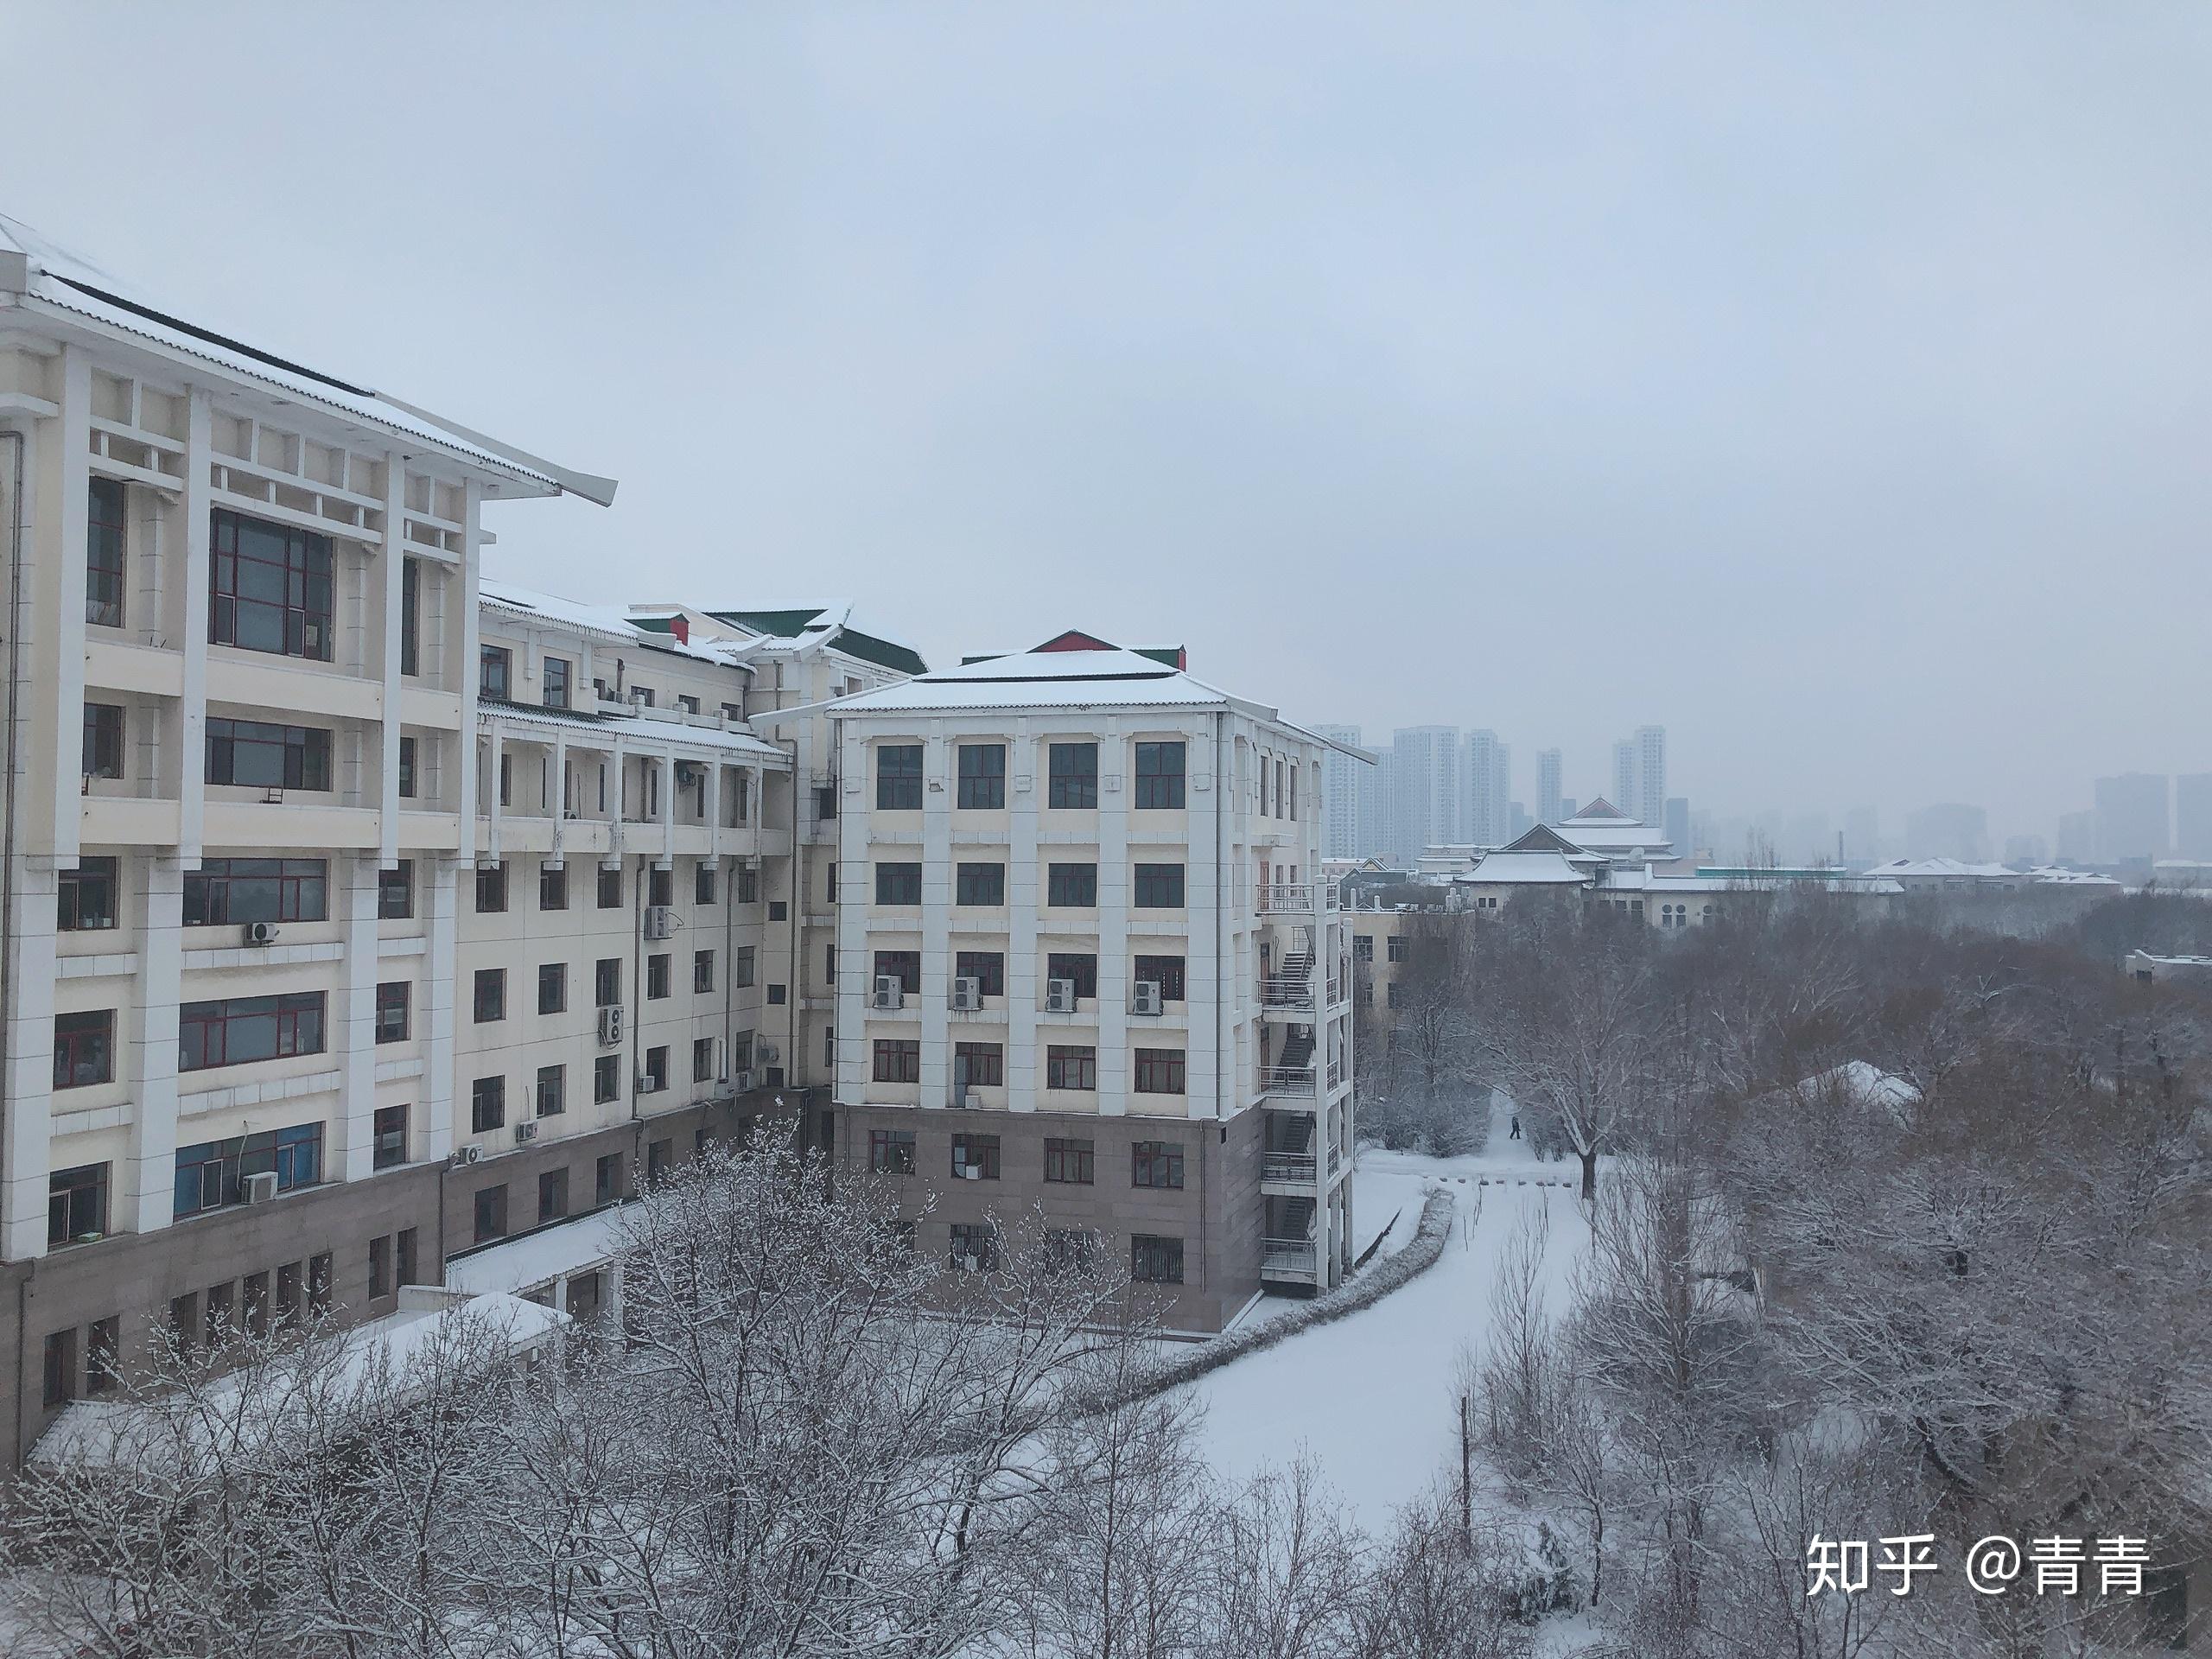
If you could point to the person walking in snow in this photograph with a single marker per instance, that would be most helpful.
(1515, 1135)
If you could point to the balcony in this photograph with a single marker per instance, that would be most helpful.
(1288, 1082)
(1286, 991)
(1287, 1169)
(1295, 1259)
(1287, 898)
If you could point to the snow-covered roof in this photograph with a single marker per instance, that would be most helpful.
(2051, 875)
(1944, 870)
(1602, 812)
(620, 719)
(386, 1353)
(1640, 878)
(1529, 868)
(53, 277)
(1868, 1084)
(518, 1264)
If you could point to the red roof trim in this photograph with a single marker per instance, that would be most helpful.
(1075, 639)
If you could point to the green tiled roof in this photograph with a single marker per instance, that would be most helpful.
(789, 624)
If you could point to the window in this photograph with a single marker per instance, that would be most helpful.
(559, 674)
(212, 1175)
(1069, 1251)
(319, 1268)
(104, 547)
(396, 892)
(407, 1259)
(256, 890)
(898, 1059)
(749, 884)
(552, 1090)
(1167, 972)
(1159, 777)
(87, 896)
(254, 754)
(1071, 886)
(657, 976)
(898, 776)
(610, 889)
(552, 987)
(891, 1152)
(778, 910)
(1391, 995)
(660, 887)
(606, 981)
(657, 1067)
(394, 999)
(656, 1162)
(407, 775)
(490, 1001)
(742, 978)
(703, 1059)
(506, 778)
(979, 884)
(1362, 947)
(982, 776)
(487, 1105)
(986, 968)
(83, 1048)
(411, 617)
(76, 1203)
(491, 1213)
(898, 884)
(103, 740)
(491, 888)
(606, 1178)
(494, 671)
(829, 1045)
(1074, 775)
(978, 1153)
(1156, 1163)
(1159, 1071)
(1071, 1162)
(61, 1369)
(702, 884)
(235, 1030)
(606, 1080)
(552, 887)
(269, 588)
(388, 1137)
(775, 992)
(1159, 886)
(1080, 967)
(1397, 947)
(1156, 1260)
(830, 881)
(1069, 1067)
(688, 705)
(979, 1063)
(702, 972)
(552, 1195)
(975, 1246)
(380, 1267)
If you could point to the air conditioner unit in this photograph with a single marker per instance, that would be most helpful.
(610, 1026)
(468, 1154)
(966, 995)
(648, 1083)
(972, 1263)
(767, 1053)
(741, 1082)
(525, 1130)
(687, 772)
(1149, 999)
(1059, 996)
(261, 932)
(890, 991)
(660, 922)
(972, 1173)
(960, 1095)
(259, 1189)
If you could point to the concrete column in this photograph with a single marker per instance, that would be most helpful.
(854, 894)
(29, 1060)
(496, 752)
(665, 770)
(192, 707)
(939, 757)
(560, 795)
(472, 556)
(713, 840)
(1210, 991)
(349, 1144)
(390, 587)
(71, 513)
(1027, 773)
(1116, 1075)
(442, 915)
(145, 1191)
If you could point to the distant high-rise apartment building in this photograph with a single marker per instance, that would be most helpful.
(1640, 773)
(1674, 818)
(1949, 830)
(1549, 765)
(1425, 786)
(1341, 830)
(2077, 837)
(2132, 815)
(1862, 836)
(1486, 783)
(1567, 806)
(2193, 815)
(2031, 850)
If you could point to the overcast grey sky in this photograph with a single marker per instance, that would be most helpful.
(1829, 383)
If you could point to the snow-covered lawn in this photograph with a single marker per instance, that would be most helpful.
(1371, 1398)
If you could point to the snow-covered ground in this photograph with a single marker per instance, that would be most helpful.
(1371, 1398)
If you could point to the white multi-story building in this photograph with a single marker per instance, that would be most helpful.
(1083, 959)
(1486, 777)
(1428, 802)
(1550, 765)
(242, 699)
(1640, 774)
(1343, 830)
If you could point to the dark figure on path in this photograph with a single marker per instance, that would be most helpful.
(1515, 1135)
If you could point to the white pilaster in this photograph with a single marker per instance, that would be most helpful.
(145, 1191)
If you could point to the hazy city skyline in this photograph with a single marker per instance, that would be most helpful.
(1548, 372)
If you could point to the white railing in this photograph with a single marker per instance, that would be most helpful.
(1288, 1166)
(1293, 1080)
(1286, 898)
(1336, 991)
(1282, 991)
(1296, 1256)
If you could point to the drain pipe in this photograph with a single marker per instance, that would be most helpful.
(14, 437)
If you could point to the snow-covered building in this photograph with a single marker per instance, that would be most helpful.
(1083, 959)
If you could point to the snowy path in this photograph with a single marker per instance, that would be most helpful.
(1372, 1398)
